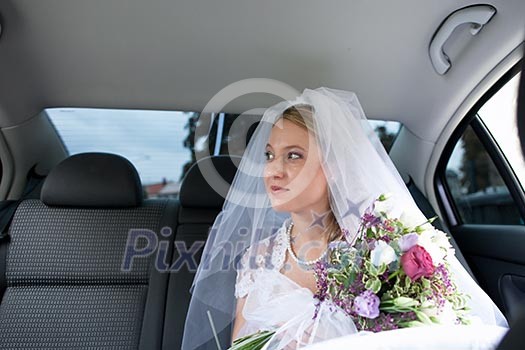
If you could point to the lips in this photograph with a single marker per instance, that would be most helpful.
(278, 189)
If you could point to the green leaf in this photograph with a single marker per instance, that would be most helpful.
(372, 270)
(423, 318)
(408, 281)
(405, 302)
(414, 324)
(340, 278)
(373, 284)
(350, 279)
(381, 270)
(255, 341)
(376, 286)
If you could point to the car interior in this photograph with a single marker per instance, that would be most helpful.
(445, 73)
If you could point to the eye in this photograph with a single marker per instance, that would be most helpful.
(268, 155)
(294, 155)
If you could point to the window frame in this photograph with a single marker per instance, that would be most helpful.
(445, 200)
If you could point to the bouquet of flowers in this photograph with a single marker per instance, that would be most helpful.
(393, 276)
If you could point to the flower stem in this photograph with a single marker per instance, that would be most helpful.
(394, 274)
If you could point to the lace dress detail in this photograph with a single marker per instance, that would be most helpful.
(268, 254)
(275, 302)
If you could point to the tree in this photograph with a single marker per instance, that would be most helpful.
(477, 169)
(386, 138)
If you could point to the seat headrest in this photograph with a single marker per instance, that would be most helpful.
(196, 192)
(99, 180)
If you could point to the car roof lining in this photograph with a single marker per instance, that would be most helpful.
(177, 55)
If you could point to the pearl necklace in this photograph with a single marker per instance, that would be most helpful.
(292, 254)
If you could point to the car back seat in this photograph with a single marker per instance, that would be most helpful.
(199, 206)
(64, 286)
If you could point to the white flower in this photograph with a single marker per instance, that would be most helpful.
(441, 239)
(382, 254)
(383, 206)
(412, 219)
(436, 243)
(437, 255)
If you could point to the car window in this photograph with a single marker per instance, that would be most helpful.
(482, 164)
(386, 131)
(158, 143)
(476, 186)
(499, 114)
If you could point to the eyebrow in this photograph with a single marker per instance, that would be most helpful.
(288, 147)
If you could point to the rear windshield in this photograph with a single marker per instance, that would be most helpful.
(160, 144)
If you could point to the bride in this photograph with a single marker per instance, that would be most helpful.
(310, 170)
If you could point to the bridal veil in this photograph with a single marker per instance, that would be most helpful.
(357, 170)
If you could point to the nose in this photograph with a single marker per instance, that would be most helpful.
(274, 168)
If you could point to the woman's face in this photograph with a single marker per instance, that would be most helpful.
(293, 176)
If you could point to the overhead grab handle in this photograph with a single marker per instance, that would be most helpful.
(476, 15)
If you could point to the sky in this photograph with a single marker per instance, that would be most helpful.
(500, 116)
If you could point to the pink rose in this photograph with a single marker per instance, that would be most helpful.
(416, 263)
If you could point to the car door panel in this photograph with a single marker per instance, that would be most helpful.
(512, 290)
(495, 254)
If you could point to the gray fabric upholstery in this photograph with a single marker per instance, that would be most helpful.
(65, 287)
(72, 317)
(69, 245)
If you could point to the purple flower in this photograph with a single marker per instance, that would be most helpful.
(321, 276)
(367, 305)
(407, 241)
(370, 220)
(346, 233)
(445, 279)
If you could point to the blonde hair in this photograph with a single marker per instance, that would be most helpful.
(303, 116)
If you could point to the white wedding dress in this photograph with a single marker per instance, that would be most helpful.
(274, 301)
